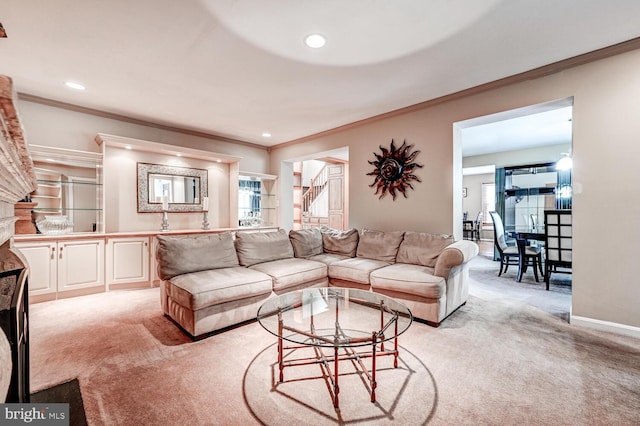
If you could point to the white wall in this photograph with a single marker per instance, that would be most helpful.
(57, 127)
(120, 191)
(63, 128)
(310, 169)
(472, 203)
(544, 154)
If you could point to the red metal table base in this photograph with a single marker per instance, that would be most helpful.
(348, 354)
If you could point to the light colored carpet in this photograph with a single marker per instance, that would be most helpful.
(493, 362)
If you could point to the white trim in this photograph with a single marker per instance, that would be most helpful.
(479, 170)
(600, 325)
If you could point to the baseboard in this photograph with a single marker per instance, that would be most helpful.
(612, 327)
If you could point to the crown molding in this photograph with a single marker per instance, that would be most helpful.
(104, 114)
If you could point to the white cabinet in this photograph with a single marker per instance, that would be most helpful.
(43, 267)
(64, 268)
(128, 262)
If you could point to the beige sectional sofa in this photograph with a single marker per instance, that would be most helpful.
(213, 281)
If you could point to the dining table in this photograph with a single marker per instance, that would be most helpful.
(523, 237)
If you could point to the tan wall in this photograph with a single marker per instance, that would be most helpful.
(606, 173)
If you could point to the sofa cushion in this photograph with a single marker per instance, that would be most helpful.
(182, 254)
(328, 258)
(356, 269)
(258, 247)
(379, 245)
(292, 272)
(421, 248)
(339, 242)
(404, 278)
(198, 290)
(306, 242)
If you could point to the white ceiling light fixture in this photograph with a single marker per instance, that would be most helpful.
(75, 86)
(315, 41)
(565, 163)
(266, 134)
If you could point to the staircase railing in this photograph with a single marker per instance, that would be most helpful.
(318, 183)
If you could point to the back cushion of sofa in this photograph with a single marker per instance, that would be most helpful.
(379, 245)
(339, 242)
(306, 242)
(421, 248)
(182, 254)
(259, 247)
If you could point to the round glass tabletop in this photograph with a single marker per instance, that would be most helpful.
(334, 317)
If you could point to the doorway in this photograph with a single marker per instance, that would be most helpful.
(484, 147)
(320, 190)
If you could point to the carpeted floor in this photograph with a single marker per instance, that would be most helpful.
(496, 361)
(488, 285)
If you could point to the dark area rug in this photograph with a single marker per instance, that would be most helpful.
(68, 393)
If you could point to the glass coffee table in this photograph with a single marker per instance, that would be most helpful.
(339, 324)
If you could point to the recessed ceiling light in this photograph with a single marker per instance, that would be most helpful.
(315, 41)
(218, 161)
(178, 155)
(127, 147)
(266, 135)
(75, 86)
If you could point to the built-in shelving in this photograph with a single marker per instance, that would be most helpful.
(257, 201)
(69, 183)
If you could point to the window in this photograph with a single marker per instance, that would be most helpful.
(488, 201)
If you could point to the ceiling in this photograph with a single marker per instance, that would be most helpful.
(523, 128)
(239, 68)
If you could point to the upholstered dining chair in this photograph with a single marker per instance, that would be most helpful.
(558, 247)
(509, 254)
(477, 227)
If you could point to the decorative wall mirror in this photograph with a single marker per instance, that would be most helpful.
(184, 188)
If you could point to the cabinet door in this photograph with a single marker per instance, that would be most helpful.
(42, 267)
(80, 264)
(128, 262)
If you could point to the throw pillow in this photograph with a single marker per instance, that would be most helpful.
(306, 242)
(259, 247)
(339, 242)
(379, 245)
(182, 254)
(421, 248)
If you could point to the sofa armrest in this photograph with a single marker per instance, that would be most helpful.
(455, 254)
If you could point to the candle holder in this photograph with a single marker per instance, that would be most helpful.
(205, 220)
(165, 221)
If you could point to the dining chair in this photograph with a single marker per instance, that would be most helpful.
(477, 227)
(509, 254)
(558, 243)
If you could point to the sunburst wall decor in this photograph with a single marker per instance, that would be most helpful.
(394, 170)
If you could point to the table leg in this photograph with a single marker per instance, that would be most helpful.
(336, 388)
(280, 348)
(395, 347)
(521, 258)
(374, 384)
